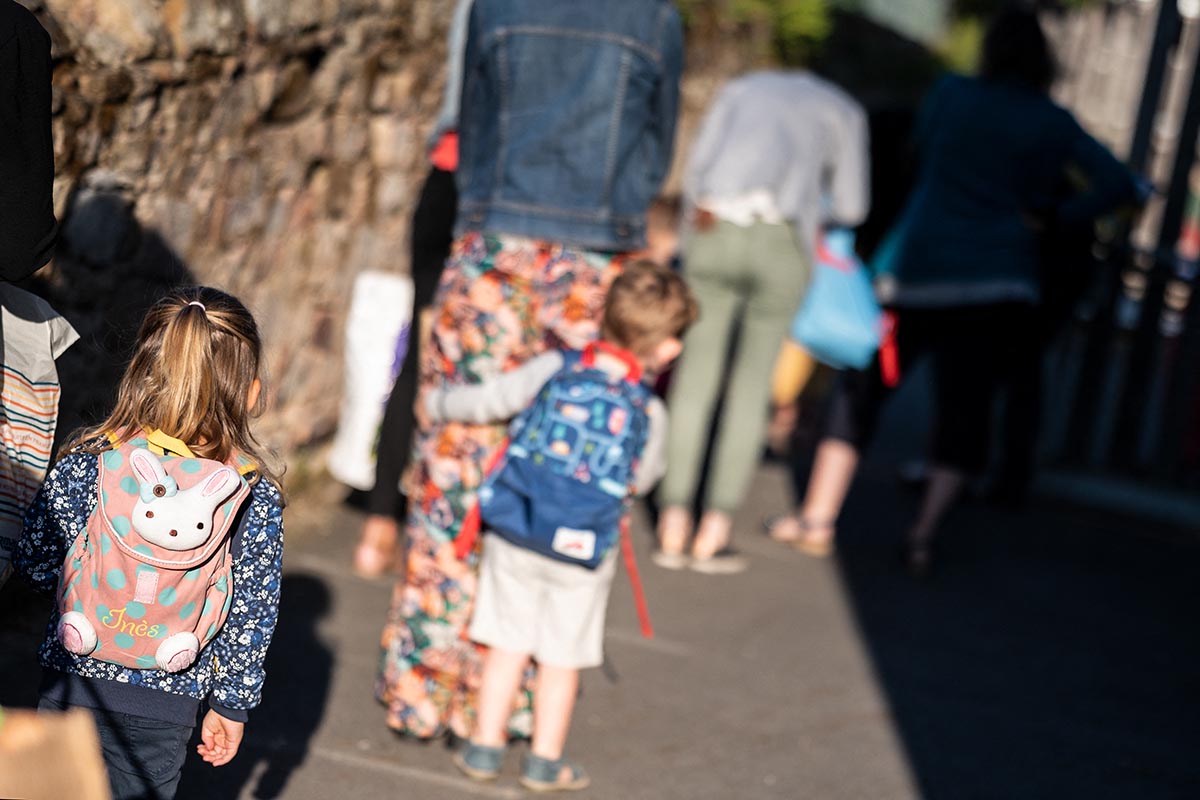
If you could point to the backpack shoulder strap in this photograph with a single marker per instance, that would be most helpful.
(162, 444)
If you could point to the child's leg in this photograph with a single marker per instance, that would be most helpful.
(502, 671)
(553, 705)
(143, 757)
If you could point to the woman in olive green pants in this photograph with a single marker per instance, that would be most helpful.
(749, 280)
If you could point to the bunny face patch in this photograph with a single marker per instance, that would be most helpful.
(149, 582)
(171, 518)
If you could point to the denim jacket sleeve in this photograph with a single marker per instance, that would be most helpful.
(666, 106)
(468, 106)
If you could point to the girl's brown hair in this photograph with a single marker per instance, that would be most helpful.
(197, 356)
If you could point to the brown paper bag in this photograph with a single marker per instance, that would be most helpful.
(45, 756)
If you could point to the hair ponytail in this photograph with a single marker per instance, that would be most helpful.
(184, 373)
(197, 357)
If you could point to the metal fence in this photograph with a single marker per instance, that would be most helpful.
(1125, 388)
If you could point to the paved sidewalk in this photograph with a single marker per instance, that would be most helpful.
(1053, 655)
(755, 686)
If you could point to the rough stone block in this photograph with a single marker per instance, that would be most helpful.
(393, 141)
(112, 31)
(214, 26)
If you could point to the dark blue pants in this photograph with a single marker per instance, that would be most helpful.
(144, 757)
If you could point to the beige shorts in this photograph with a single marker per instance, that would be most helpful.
(528, 603)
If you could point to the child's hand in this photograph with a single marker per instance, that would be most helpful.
(220, 739)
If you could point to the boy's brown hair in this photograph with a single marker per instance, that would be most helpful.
(646, 304)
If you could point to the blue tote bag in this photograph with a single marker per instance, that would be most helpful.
(840, 322)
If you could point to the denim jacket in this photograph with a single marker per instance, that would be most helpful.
(567, 121)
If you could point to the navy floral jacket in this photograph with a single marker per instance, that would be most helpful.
(229, 670)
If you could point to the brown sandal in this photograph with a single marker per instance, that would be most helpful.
(816, 548)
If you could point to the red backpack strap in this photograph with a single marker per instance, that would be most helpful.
(630, 361)
(468, 532)
(889, 351)
(635, 580)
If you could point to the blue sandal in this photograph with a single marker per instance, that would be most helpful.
(543, 775)
(479, 763)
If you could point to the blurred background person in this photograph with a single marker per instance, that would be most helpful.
(27, 226)
(432, 234)
(778, 155)
(32, 334)
(567, 126)
(961, 269)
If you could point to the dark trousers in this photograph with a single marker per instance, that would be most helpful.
(1021, 422)
(432, 235)
(972, 350)
(144, 757)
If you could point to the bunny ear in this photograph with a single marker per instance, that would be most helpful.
(220, 483)
(146, 466)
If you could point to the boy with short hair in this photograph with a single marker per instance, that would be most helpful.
(594, 427)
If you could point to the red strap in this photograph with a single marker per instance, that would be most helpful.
(468, 532)
(831, 259)
(889, 353)
(627, 358)
(468, 536)
(444, 155)
(635, 580)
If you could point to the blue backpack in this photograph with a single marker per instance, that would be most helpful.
(563, 485)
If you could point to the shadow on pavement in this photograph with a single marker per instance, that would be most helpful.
(299, 672)
(1052, 653)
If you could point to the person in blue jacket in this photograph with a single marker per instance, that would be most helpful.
(961, 268)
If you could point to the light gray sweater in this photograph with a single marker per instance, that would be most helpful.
(792, 134)
(502, 398)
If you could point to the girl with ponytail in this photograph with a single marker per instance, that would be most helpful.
(187, 399)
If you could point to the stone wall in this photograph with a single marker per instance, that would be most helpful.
(273, 148)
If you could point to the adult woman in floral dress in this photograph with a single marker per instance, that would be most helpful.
(540, 238)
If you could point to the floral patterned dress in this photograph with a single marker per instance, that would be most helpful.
(502, 301)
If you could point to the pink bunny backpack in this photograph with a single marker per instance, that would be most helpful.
(148, 582)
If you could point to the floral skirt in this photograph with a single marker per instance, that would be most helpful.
(502, 300)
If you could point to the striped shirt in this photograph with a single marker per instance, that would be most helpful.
(34, 335)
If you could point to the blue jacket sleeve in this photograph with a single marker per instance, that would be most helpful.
(1110, 184)
(58, 515)
(240, 649)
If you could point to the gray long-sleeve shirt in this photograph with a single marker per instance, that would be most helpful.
(792, 134)
(503, 397)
